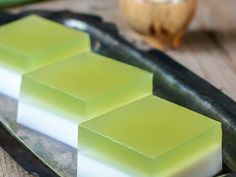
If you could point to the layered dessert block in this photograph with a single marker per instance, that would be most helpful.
(55, 99)
(149, 138)
(33, 42)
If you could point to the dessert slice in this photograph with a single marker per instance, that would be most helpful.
(149, 138)
(32, 42)
(55, 99)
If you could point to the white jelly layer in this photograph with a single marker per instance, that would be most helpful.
(87, 167)
(49, 124)
(10, 83)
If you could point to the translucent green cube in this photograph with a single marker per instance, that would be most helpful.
(32, 42)
(150, 138)
(77, 89)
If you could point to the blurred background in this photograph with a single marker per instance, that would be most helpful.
(199, 34)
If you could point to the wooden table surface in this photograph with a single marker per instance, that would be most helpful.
(209, 47)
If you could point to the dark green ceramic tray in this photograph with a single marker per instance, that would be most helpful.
(172, 81)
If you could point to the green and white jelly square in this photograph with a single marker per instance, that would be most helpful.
(31, 43)
(67, 93)
(150, 138)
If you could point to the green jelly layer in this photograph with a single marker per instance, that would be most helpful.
(150, 137)
(85, 86)
(7, 3)
(33, 42)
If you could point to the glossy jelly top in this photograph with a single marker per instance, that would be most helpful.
(34, 41)
(89, 75)
(149, 137)
(150, 126)
(85, 86)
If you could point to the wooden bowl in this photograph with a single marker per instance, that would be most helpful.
(166, 20)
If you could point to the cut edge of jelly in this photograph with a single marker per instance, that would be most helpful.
(207, 166)
(48, 124)
(10, 83)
